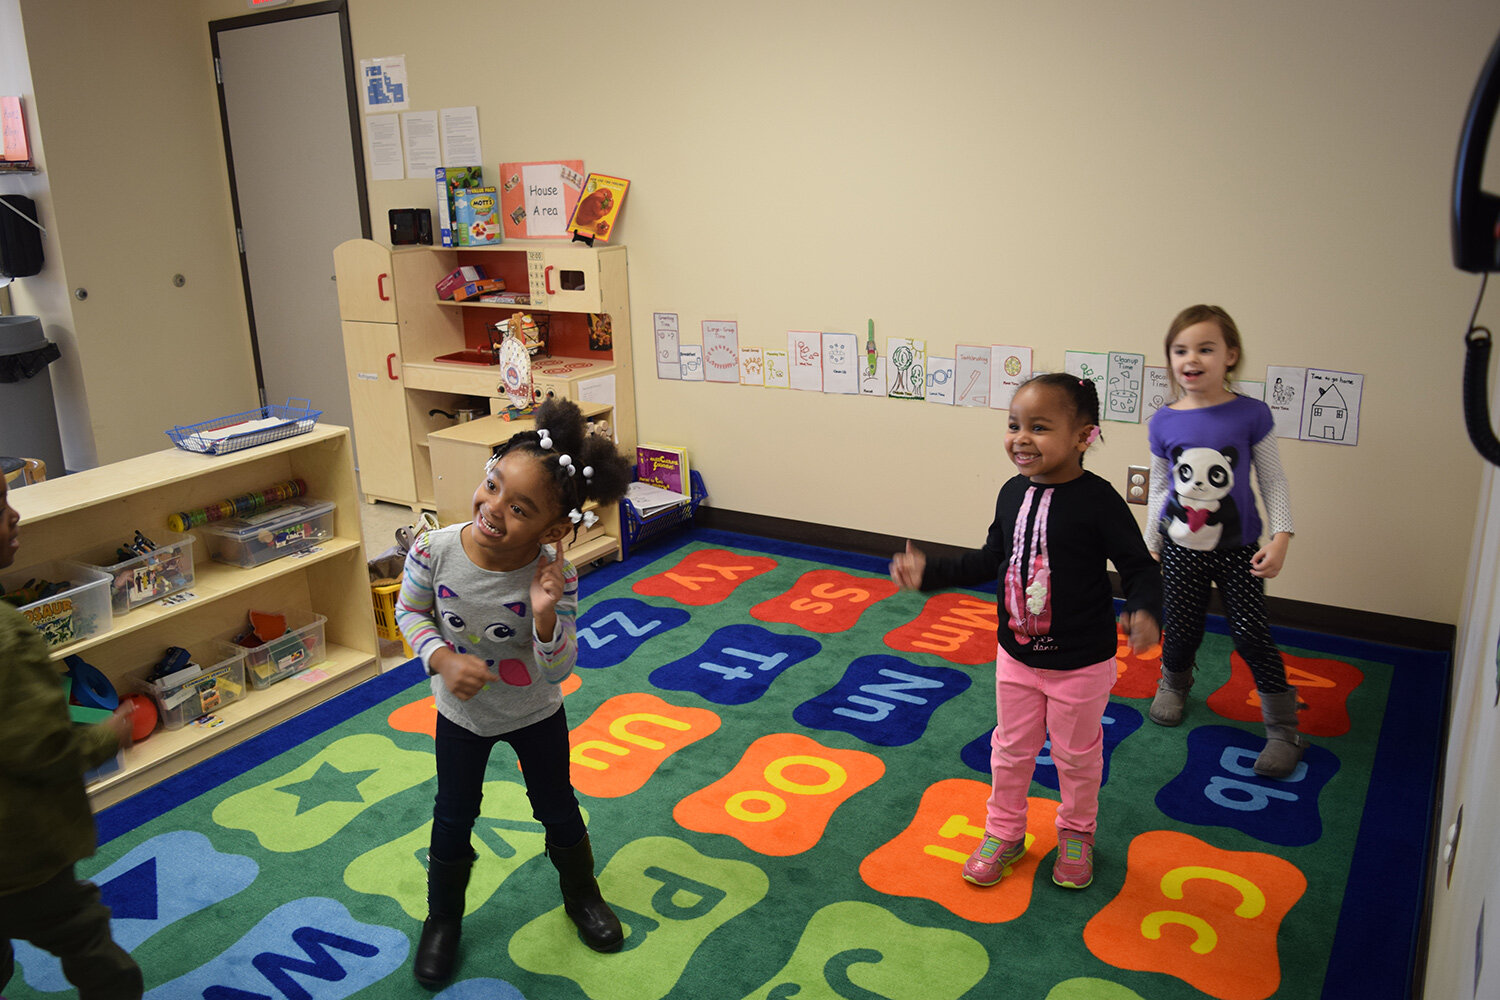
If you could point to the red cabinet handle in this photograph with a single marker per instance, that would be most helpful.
(380, 286)
(547, 279)
(389, 358)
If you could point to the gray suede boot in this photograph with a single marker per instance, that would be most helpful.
(1171, 697)
(1284, 745)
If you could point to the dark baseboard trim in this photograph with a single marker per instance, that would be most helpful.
(1347, 622)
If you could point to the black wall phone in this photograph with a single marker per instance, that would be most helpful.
(1476, 248)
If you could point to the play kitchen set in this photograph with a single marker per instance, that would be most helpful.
(433, 332)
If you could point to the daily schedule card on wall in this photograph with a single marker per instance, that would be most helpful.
(872, 383)
(971, 376)
(1157, 392)
(668, 356)
(805, 358)
(841, 363)
(691, 356)
(907, 368)
(752, 367)
(721, 350)
(1009, 367)
(1330, 406)
(1284, 387)
(1122, 398)
(940, 380)
(777, 368)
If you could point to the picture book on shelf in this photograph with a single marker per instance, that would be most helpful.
(598, 206)
(537, 199)
(15, 144)
(664, 465)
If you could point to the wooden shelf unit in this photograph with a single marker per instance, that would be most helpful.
(63, 517)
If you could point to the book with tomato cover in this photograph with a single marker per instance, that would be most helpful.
(598, 207)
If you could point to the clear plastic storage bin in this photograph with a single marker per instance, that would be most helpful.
(76, 613)
(218, 685)
(141, 579)
(299, 648)
(279, 530)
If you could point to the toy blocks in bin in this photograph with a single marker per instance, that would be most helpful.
(636, 531)
(279, 530)
(151, 574)
(279, 645)
(215, 678)
(65, 601)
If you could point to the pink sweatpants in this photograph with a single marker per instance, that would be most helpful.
(1030, 704)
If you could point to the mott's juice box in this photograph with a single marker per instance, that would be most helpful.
(476, 217)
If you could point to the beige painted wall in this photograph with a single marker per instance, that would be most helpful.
(137, 192)
(1061, 175)
(1064, 175)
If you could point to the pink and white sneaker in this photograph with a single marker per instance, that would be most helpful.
(1074, 868)
(988, 863)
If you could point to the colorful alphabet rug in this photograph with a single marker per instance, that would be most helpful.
(784, 764)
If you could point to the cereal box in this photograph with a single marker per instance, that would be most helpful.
(476, 217)
(450, 180)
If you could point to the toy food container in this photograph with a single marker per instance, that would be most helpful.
(65, 601)
(279, 530)
(147, 577)
(299, 648)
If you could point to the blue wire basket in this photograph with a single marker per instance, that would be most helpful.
(217, 437)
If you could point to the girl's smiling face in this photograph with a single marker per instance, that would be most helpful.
(1045, 436)
(1201, 360)
(515, 511)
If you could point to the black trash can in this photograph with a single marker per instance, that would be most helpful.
(28, 416)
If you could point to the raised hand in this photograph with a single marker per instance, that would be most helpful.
(907, 567)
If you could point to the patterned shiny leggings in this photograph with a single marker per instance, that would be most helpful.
(1186, 577)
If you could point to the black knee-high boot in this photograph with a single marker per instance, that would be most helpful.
(437, 951)
(581, 897)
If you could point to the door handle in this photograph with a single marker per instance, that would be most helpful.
(547, 279)
(380, 286)
(389, 358)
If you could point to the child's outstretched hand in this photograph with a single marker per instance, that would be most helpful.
(1268, 561)
(547, 582)
(120, 723)
(463, 674)
(907, 567)
(1142, 629)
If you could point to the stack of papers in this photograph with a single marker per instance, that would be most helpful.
(648, 500)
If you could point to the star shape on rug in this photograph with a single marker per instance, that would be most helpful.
(328, 784)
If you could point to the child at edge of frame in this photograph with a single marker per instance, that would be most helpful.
(1202, 523)
(1055, 527)
(490, 606)
(46, 823)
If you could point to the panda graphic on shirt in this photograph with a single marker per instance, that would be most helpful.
(1200, 513)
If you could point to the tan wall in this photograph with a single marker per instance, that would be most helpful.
(1059, 175)
(138, 192)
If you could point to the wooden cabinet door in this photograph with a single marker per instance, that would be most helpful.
(372, 352)
(366, 291)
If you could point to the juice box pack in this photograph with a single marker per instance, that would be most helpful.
(476, 217)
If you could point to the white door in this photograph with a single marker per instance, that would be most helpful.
(297, 177)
